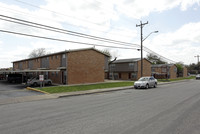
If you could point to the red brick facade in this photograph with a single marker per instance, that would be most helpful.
(146, 68)
(80, 66)
(164, 71)
(129, 69)
(85, 67)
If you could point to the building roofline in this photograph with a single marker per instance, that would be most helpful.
(160, 65)
(130, 60)
(62, 52)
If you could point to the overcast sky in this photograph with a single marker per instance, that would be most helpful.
(178, 23)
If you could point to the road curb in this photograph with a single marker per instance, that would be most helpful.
(95, 91)
(29, 88)
(179, 81)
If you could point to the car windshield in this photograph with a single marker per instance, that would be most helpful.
(143, 79)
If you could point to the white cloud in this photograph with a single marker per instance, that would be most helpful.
(141, 8)
(181, 45)
(96, 17)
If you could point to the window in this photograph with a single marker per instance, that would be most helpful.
(164, 69)
(116, 75)
(153, 69)
(131, 65)
(63, 56)
(56, 74)
(52, 73)
(56, 56)
(175, 69)
(133, 75)
(52, 57)
(112, 66)
(110, 75)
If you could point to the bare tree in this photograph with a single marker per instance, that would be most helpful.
(112, 54)
(37, 52)
(155, 59)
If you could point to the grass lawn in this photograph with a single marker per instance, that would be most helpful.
(61, 89)
(177, 79)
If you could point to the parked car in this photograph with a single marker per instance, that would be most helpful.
(36, 82)
(197, 76)
(146, 82)
(15, 78)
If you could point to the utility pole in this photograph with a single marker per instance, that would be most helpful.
(141, 26)
(197, 59)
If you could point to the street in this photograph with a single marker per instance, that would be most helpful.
(167, 109)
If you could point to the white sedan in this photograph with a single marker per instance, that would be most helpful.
(145, 82)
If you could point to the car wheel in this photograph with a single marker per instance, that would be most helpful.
(155, 85)
(49, 83)
(35, 84)
(147, 86)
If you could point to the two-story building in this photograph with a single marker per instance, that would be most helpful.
(129, 69)
(164, 71)
(67, 67)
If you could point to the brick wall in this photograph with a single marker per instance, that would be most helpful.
(15, 66)
(25, 65)
(54, 61)
(185, 72)
(173, 73)
(56, 77)
(36, 63)
(146, 68)
(124, 76)
(85, 66)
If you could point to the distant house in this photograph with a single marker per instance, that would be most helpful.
(185, 72)
(164, 71)
(129, 69)
(67, 67)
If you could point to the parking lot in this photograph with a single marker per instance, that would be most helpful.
(11, 90)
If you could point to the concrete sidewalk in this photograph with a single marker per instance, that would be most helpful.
(68, 94)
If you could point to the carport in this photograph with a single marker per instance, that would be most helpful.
(27, 73)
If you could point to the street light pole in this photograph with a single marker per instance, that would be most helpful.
(141, 26)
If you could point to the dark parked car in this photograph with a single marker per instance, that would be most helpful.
(15, 78)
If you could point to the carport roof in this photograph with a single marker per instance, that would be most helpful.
(129, 60)
(28, 71)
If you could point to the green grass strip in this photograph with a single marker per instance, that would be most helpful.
(177, 79)
(61, 89)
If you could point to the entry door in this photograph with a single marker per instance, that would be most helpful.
(64, 77)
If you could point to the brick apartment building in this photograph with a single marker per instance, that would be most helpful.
(129, 69)
(67, 67)
(164, 71)
(185, 72)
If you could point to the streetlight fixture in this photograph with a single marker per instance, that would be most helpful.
(142, 50)
(142, 25)
(150, 34)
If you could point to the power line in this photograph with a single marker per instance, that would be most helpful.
(61, 40)
(27, 14)
(37, 25)
(41, 26)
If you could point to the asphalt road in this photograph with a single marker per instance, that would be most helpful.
(10, 90)
(168, 109)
